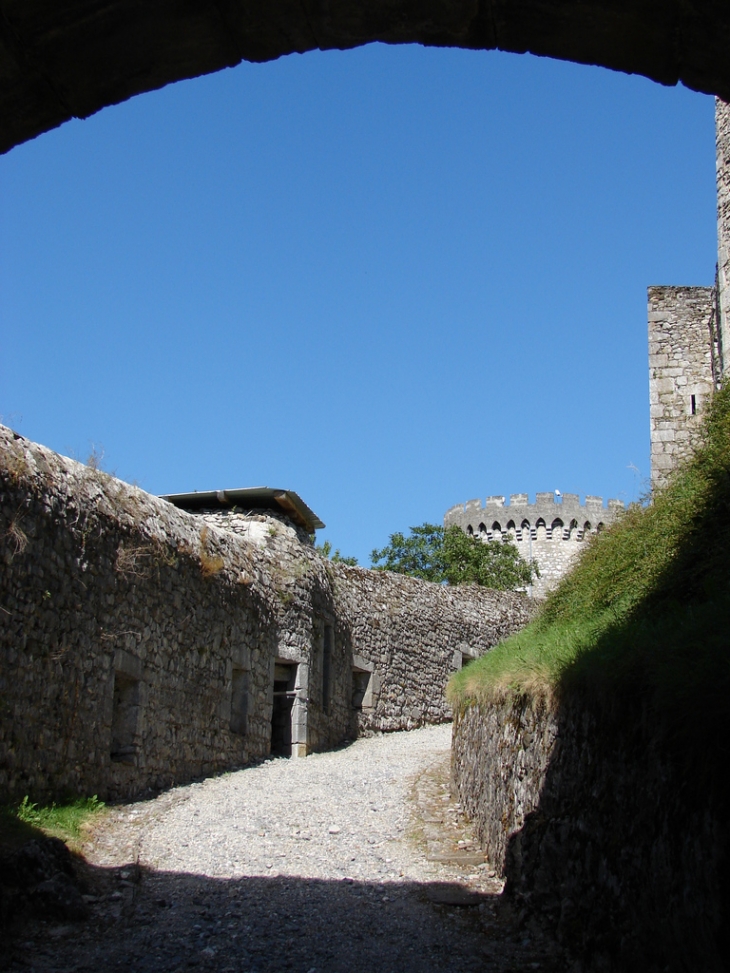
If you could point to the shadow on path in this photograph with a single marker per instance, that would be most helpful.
(144, 921)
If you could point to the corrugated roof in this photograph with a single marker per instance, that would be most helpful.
(250, 498)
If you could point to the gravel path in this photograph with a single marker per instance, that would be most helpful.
(356, 860)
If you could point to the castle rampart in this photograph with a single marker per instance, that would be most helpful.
(549, 532)
(143, 645)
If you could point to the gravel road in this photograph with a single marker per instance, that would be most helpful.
(356, 860)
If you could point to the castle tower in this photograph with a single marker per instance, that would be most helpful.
(551, 532)
(689, 337)
(722, 145)
(683, 371)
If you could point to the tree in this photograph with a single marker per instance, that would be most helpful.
(451, 556)
(421, 554)
(325, 549)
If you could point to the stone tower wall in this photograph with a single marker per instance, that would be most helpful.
(683, 367)
(689, 337)
(722, 143)
(550, 532)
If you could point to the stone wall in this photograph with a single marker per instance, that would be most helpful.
(683, 367)
(722, 144)
(141, 645)
(409, 636)
(600, 833)
(122, 623)
(551, 532)
(312, 630)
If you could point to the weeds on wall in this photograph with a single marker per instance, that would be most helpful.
(95, 458)
(140, 560)
(15, 465)
(210, 564)
(16, 537)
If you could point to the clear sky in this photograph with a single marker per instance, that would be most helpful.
(390, 279)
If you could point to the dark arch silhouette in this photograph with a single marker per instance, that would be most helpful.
(61, 59)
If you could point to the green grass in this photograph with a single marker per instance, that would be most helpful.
(66, 821)
(646, 611)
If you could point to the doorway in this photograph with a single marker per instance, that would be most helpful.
(285, 675)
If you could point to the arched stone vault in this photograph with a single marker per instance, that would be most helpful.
(61, 59)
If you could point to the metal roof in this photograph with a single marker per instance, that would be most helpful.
(250, 498)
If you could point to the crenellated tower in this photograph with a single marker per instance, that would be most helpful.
(551, 531)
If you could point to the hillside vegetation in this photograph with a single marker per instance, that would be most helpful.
(646, 611)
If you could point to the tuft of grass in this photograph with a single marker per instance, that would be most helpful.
(210, 564)
(66, 821)
(16, 536)
(96, 457)
(646, 611)
(139, 560)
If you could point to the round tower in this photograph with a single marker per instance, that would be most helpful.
(551, 532)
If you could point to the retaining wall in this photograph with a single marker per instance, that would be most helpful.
(600, 833)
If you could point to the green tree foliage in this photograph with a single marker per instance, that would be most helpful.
(421, 554)
(325, 549)
(434, 554)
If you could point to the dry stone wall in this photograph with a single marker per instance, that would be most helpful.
(599, 832)
(141, 645)
(410, 636)
(312, 631)
(122, 624)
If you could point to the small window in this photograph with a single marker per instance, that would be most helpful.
(693, 405)
(239, 701)
(125, 716)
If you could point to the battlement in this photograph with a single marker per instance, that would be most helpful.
(549, 532)
(548, 507)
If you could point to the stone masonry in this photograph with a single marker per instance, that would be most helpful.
(689, 337)
(142, 645)
(550, 532)
(409, 636)
(722, 144)
(683, 371)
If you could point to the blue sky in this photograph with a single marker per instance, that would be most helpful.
(391, 279)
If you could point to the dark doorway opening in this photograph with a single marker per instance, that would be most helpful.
(285, 675)
(124, 718)
(360, 687)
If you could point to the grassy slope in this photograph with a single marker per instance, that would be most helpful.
(646, 610)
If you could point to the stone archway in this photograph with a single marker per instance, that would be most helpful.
(61, 59)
